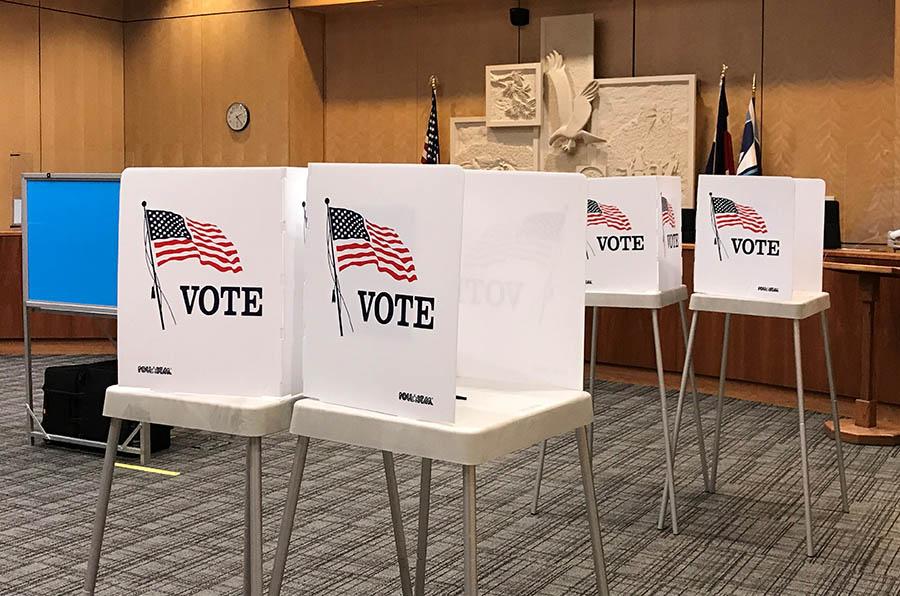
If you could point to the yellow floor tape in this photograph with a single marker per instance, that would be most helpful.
(146, 469)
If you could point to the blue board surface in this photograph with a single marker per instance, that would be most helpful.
(73, 240)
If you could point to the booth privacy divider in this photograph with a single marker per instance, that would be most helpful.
(521, 308)
(382, 287)
(210, 280)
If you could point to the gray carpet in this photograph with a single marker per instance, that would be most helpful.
(183, 535)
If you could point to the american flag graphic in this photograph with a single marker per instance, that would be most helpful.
(431, 152)
(178, 238)
(728, 213)
(668, 214)
(359, 242)
(608, 215)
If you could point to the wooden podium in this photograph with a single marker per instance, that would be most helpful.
(864, 428)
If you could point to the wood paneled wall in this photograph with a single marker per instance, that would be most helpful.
(826, 87)
(182, 73)
(829, 102)
(163, 127)
(62, 88)
(82, 94)
(20, 96)
(62, 105)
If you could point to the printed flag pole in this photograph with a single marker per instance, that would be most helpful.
(149, 248)
(337, 294)
(334, 271)
(712, 219)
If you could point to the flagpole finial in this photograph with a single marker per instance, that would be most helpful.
(433, 80)
(724, 70)
(753, 86)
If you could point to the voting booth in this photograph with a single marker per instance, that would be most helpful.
(416, 276)
(210, 280)
(438, 295)
(633, 234)
(759, 237)
(759, 254)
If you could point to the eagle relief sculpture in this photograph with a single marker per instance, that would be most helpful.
(573, 113)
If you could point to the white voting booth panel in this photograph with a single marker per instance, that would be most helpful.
(381, 296)
(759, 236)
(633, 234)
(210, 280)
(521, 294)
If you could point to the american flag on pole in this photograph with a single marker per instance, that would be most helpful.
(178, 238)
(359, 242)
(609, 215)
(728, 213)
(431, 152)
(668, 214)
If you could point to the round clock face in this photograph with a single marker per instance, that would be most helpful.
(237, 116)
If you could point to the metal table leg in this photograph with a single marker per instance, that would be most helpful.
(109, 461)
(700, 439)
(246, 522)
(835, 418)
(422, 536)
(587, 481)
(470, 541)
(807, 509)
(145, 443)
(397, 521)
(254, 447)
(688, 366)
(594, 324)
(722, 368)
(670, 470)
(287, 518)
(538, 478)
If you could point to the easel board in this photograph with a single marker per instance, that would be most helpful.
(70, 241)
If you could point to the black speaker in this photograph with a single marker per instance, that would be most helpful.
(519, 17)
(832, 225)
(688, 226)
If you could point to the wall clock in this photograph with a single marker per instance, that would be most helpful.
(237, 116)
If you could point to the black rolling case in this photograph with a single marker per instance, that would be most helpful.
(73, 404)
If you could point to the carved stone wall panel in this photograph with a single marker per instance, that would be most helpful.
(475, 146)
(513, 94)
(648, 129)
